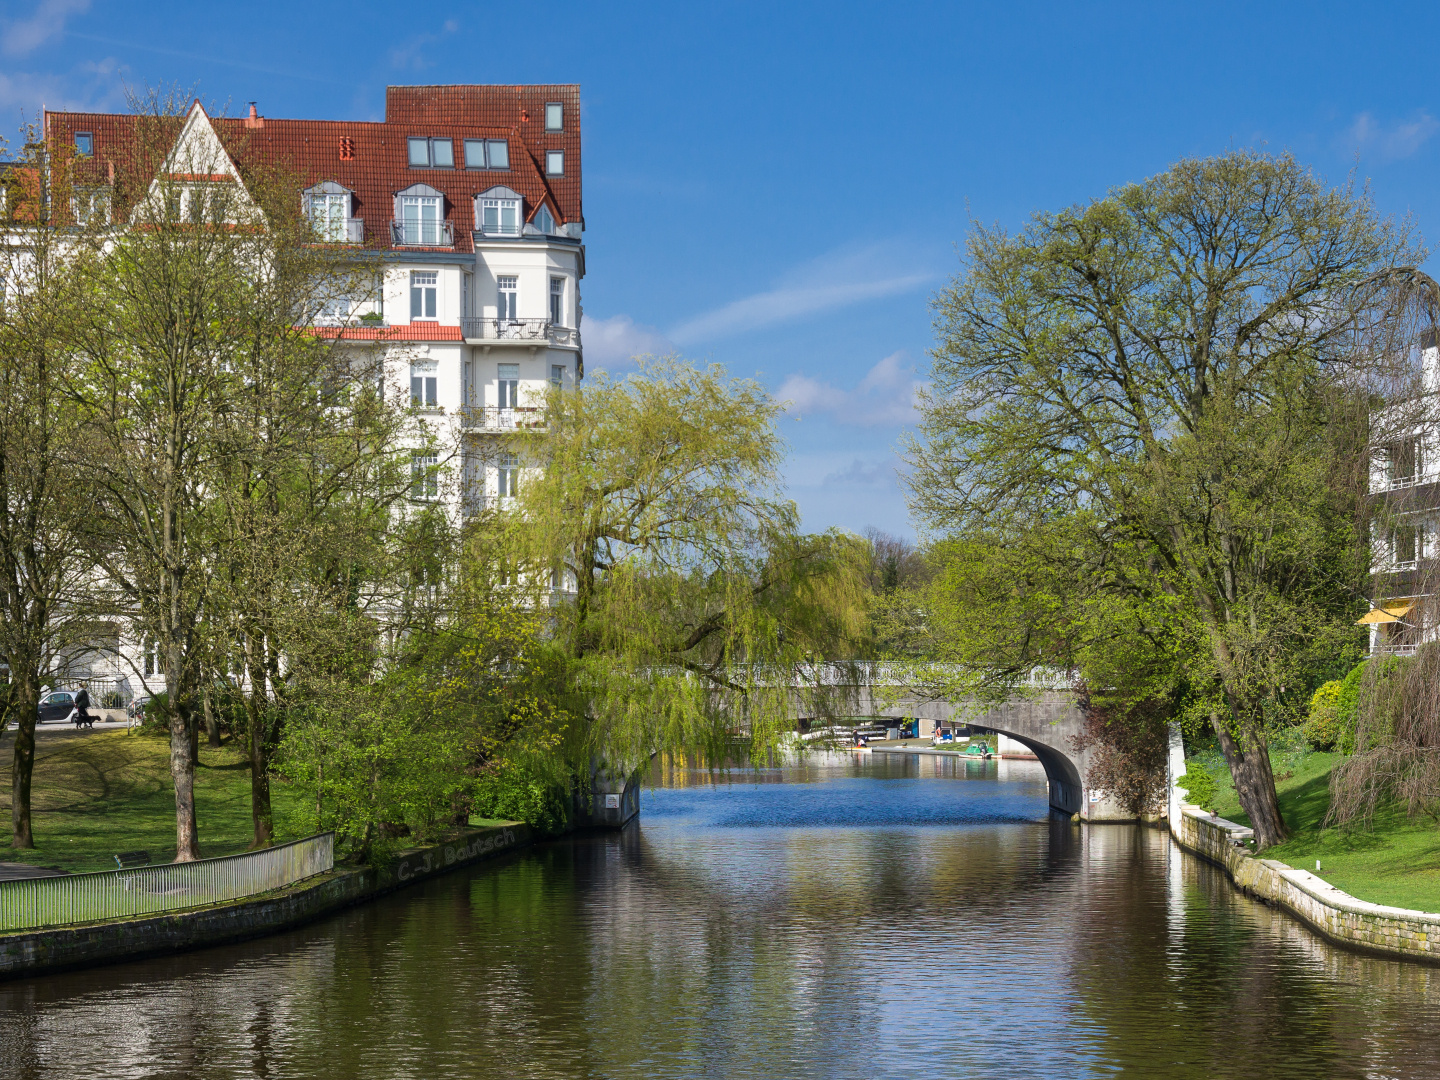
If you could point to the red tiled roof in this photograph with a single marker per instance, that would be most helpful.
(379, 167)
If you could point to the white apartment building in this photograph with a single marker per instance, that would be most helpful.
(470, 196)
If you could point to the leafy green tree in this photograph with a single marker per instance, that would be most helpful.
(1165, 370)
(45, 609)
(687, 607)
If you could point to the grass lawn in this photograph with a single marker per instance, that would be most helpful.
(94, 795)
(1396, 863)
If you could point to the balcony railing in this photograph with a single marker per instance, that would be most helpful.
(494, 418)
(531, 330)
(422, 233)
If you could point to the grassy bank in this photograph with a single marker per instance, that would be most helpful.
(1397, 862)
(98, 794)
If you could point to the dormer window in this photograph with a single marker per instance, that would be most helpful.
(544, 220)
(554, 116)
(500, 217)
(487, 154)
(91, 206)
(432, 153)
(420, 218)
(328, 207)
(85, 144)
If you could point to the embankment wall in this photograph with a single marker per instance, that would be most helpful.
(1336, 915)
(33, 952)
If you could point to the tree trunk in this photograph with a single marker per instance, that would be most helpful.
(256, 710)
(182, 759)
(212, 726)
(26, 705)
(1249, 761)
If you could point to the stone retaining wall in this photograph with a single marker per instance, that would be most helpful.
(1340, 917)
(88, 944)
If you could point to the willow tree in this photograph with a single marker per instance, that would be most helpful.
(1172, 361)
(688, 608)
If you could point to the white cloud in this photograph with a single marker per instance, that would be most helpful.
(835, 280)
(863, 474)
(619, 339)
(24, 36)
(1399, 140)
(411, 54)
(97, 86)
(885, 397)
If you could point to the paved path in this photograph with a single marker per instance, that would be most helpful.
(14, 871)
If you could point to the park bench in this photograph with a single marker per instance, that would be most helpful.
(128, 860)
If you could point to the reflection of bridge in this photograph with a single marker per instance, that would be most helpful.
(1047, 722)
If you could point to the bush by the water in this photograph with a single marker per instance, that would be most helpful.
(1199, 784)
(524, 790)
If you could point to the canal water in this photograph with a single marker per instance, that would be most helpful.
(852, 917)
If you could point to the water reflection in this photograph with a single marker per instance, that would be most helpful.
(858, 917)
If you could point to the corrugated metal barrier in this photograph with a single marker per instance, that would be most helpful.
(116, 894)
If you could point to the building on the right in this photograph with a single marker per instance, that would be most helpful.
(1404, 504)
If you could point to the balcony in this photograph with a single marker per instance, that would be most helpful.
(532, 331)
(494, 418)
(422, 234)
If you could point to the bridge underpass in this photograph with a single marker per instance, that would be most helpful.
(1046, 723)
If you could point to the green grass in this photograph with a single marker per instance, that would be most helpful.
(1397, 862)
(98, 794)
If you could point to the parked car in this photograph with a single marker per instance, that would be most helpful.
(57, 706)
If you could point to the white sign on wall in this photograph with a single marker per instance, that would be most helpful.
(612, 802)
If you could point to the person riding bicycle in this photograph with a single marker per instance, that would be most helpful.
(82, 703)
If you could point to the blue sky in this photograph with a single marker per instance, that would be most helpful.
(782, 187)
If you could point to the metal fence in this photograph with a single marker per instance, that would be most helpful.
(149, 890)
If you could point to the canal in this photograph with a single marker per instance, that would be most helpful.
(853, 917)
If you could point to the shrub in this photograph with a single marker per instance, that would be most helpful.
(524, 790)
(1199, 784)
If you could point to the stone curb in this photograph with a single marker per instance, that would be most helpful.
(1336, 915)
(34, 952)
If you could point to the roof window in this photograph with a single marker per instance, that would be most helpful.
(432, 153)
(487, 154)
(85, 144)
(544, 220)
(554, 116)
(555, 162)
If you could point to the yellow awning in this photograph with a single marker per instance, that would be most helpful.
(1392, 612)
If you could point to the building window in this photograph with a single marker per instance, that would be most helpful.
(555, 162)
(509, 381)
(557, 301)
(91, 206)
(422, 293)
(509, 481)
(328, 213)
(544, 220)
(150, 656)
(423, 387)
(554, 116)
(1404, 463)
(420, 216)
(557, 375)
(335, 308)
(85, 144)
(487, 154)
(432, 153)
(509, 292)
(500, 217)
(424, 476)
(1407, 544)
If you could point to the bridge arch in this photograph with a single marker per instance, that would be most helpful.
(1047, 723)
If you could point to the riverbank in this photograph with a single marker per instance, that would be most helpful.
(95, 794)
(1396, 863)
(41, 951)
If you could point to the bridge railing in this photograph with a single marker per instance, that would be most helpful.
(152, 890)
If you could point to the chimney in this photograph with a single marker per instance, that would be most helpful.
(254, 120)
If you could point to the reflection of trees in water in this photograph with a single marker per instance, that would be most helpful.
(1228, 987)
